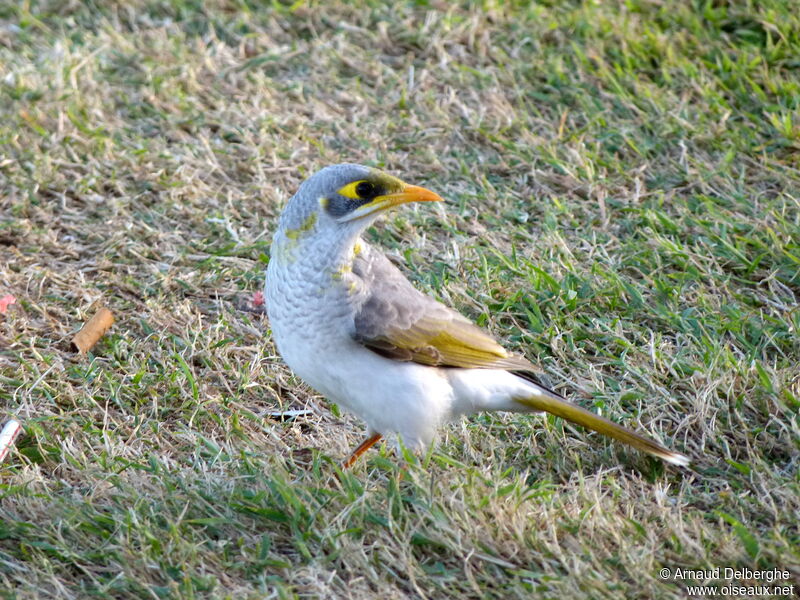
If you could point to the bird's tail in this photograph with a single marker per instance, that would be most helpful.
(554, 404)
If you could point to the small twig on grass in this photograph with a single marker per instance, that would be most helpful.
(93, 330)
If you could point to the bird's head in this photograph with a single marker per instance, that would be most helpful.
(345, 199)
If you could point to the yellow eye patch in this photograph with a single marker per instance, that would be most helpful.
(358, 190)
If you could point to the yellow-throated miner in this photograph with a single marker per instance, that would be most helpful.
(350, 324)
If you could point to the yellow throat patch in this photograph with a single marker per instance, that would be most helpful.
(293, 237)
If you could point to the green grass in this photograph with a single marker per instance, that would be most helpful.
(622, 183)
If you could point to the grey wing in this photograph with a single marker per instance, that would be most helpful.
(398, 321)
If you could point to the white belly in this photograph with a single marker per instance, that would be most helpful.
(311, 327)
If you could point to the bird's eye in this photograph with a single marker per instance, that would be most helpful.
(360, 190)
(365, 189)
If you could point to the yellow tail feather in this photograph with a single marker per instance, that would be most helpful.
(581, 416)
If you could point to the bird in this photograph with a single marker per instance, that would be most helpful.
(350, 324)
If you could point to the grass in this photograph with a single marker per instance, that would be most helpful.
(622, 184)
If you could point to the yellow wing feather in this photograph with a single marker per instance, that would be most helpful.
(449, 342)
(398, 321)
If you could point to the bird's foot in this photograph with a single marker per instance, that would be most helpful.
(362, 448)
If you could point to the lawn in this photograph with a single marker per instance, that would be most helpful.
(623, 208)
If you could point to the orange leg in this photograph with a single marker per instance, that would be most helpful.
(362, 447)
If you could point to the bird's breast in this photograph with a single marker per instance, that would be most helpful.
(311, 305)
